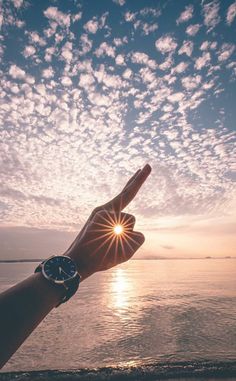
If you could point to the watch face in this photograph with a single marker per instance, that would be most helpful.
(59, 269)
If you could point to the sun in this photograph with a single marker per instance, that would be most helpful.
(118, 229)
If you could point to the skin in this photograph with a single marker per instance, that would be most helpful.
(96, 248)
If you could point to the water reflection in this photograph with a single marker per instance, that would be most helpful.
(122, 291)
(141, 311)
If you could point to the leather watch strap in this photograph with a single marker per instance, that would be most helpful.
(71, 286)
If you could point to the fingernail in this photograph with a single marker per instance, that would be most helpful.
(147, 168)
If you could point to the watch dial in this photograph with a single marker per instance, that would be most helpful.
(60, 268)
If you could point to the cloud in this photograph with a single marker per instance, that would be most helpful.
(168, 247)
(231, 13)
(35, 243)
(180, 68)
(225, 51)
(18, 3)
(186, 15)
(129, 16)
(202, 61)
(143, 59)
(91, 26)
(193, 29)
(120, 59)
(176, 97)
(59, 17)
(186, 48)
(147, 75)
(211, 14)
(148, 28)
(29, 51)
(127, 74)
(191, 82)
(36, 39)
(86, 80)
(17, 72)
(66, 52)
(166, 44)
(86, 44)
(66, 81)
(105, 49)
(148, 11)
(208, 45)
(49, 52)
(120, 2)
(120, 41)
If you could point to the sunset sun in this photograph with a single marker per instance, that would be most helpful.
(118, 229)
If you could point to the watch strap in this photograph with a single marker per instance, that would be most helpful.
(71, 286)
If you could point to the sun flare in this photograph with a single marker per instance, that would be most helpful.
(118, 229)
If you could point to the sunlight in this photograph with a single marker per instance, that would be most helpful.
(118, 229)
(120, 288)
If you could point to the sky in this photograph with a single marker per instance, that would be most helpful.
(93, 90)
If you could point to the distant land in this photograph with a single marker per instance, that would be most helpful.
(20, 260)
(134, 259)
(163, 258)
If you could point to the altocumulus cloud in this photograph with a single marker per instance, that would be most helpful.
(90, 93)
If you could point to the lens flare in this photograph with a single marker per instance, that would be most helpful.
(118, 229)
(113, 233)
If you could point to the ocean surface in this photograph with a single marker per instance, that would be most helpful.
(148, 316)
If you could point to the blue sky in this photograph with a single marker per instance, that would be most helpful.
(91, 91)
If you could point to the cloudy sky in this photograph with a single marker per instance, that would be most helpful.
(90, 92)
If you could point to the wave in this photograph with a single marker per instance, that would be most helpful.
(195, 370)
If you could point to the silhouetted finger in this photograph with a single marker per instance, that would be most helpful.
(130, 191)
(132, 241)
(109, 205)
(131, 179)
(127, 221)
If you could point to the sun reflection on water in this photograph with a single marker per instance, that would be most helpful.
(122, 291)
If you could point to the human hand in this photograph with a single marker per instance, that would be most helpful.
(98, 247)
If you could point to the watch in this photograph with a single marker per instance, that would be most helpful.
(61, 271)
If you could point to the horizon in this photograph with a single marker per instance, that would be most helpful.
(21, 260)
(90, 92)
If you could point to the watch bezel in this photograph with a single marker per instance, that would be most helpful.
(54, 280)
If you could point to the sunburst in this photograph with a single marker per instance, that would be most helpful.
(118, 229)
(113, 228)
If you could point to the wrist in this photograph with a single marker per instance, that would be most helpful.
(53, 292)
(81, 265)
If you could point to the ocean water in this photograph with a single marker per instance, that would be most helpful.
(140, 315)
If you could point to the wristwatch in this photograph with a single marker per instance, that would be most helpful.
(61, 271)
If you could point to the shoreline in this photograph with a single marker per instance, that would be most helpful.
(184, 371)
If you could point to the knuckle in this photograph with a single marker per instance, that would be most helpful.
(130, 219)
(133, 219)
(96, 210)
(142, 238)
(100, 213)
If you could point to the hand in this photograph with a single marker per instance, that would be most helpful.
(98, 247)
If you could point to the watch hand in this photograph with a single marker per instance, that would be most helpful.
(64, 272)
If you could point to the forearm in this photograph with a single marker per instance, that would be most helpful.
(23, 307)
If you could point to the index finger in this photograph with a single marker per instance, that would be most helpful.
(130, 190)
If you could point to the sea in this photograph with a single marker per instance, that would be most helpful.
(143, 320)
